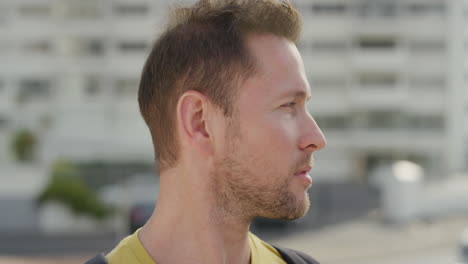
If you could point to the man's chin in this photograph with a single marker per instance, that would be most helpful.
(294, 212)
(290, 217)
(300, 209)
(298, 214)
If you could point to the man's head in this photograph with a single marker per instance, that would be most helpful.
(225, 85)
(204, 49)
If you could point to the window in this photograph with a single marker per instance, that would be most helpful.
(131, 9)
(427, 46)
(93, 47)
(376, 43)
(37, 47)
(33, 88)
(426, 8)
(83, 9)
(377, 80)
(431, 123)
(377, 8)
(124, 87)
(37, 85)
(329, 8)
(428, 82)
(35, 10)
(329, 46)
(383, 120)
(3, 122)
(332, 122)
(93, 86)
(327, 82)
(84, 47)
(132, 46)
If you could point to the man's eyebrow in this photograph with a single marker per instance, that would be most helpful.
(298, 94)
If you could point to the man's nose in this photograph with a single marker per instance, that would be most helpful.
(312, 137)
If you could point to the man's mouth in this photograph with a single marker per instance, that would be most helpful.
(304, 170)
(303, 175)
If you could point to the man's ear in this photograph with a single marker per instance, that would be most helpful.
(192, 108)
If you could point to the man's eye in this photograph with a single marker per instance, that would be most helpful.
(291, 104)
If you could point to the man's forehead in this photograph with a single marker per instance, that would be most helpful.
(278, 66)
(277, 89)
(267, 48)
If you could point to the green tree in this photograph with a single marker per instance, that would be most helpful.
(67, 187)
(23, 145)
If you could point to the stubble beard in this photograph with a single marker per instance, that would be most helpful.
(240, 194)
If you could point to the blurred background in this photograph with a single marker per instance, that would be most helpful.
(389, 86)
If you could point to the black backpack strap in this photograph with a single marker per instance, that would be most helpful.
(99, 259)
(292, 256)
(289, 255)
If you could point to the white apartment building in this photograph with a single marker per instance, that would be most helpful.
(70, 72)
(386, 78)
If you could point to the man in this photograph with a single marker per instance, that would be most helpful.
(224, 95)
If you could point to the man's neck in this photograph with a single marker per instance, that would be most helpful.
(186, 227)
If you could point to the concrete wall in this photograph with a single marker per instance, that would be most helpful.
(18, 215)
(20, 186)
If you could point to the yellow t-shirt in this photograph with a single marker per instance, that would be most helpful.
(131, 251)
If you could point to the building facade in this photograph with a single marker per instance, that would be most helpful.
(387, 79)
(387, 76)
(70, 72)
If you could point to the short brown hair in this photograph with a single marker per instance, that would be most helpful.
(203, 49)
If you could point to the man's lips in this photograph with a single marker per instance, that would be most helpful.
(303, 170)
(303, 176)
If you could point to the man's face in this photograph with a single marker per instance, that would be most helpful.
(261, 168)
